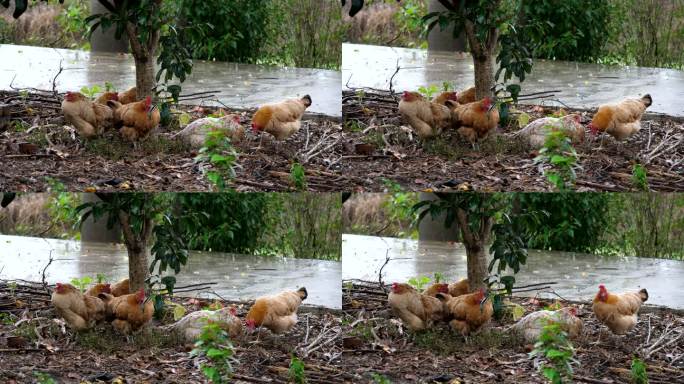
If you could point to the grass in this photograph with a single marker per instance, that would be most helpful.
(107, 340)
(445, 342)
(115, 148)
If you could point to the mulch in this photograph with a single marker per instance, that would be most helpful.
(33, 339)
(379, 147)
(44, 151)
(377, 343)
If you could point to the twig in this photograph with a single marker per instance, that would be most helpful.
(392, 78)
(387, 260)
(54, 79)
(43, 273)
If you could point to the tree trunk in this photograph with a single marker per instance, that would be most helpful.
(138, 266)
(144, 77)
(484, 75)
(476, 248)
(144, 55)
(138, 250)
(477, 264)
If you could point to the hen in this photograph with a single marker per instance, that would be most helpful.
(135, 119)
(121, 288)
(618, 312)
(469, 312)
(128, 313)
(281, 120)
(417, 311)
(427, 119)
(195, 133)
(90, 119)
(78, 310)
(475, 120)
(130, 96)
(98, 288)
(620, 120)
(530, 326)
(277, 313)
(105, 97)
(190, 326)
(535, 132)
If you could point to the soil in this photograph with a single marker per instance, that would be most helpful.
(379, 148)
(34, 340)
(377, 343)
(37, 151)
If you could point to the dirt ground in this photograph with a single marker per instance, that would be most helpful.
(154, 355)
(36, 150)
(379, 147)
(376, 343)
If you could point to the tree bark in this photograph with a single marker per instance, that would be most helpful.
(144, 56)
(138, 250)
(484, 76)
(483, 56)
(476, 248)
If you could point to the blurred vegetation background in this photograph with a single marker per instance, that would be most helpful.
(302, 33)
(647, 33)
(300, 225)
(621, 224)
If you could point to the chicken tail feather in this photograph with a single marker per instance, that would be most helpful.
(644, 294)
(647, 100)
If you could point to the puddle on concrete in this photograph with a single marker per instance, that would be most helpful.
(578, 275)
(238, 276)
(240, 85)
(583, 85)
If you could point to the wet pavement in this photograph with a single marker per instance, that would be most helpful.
(239, 277)
(578, 275)
(582, 85)
(240, 85)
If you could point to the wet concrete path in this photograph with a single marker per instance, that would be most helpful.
(239, 277)
(240, 85)
(583, 85)
(578, 275)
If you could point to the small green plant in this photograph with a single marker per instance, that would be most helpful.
(639, 177)
(44, 378)
(360, 94)
(12, 285)
(429, 91)
(24, 94)
(221, 154)
(554, 354)
(298, 176)
(90, 92)
(438, 277)
(109, 87)
(6, 319)
(101, 278)
(419, 283)
(215, 346)
(296, 372)
(447, 86)
(639, 375)
(380, 379)
(561, 155)
(81, 283)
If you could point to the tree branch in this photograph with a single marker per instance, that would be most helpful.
(137, 49)
(467, 234)
(129, 237)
